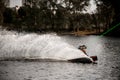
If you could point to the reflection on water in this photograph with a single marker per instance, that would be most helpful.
(108, 67)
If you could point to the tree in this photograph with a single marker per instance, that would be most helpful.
(2, 6)
(104, 15)
(50, 15)
(8, 15)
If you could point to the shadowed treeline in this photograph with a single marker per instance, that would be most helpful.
(55, 15)
(115, 24)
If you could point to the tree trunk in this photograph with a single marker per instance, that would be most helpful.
(1, 18)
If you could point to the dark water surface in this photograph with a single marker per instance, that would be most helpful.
(107, 68)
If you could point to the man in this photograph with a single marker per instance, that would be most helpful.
(82, 48)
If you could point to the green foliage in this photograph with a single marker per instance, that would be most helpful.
(2, 6)
(8, 15)
(47, 15)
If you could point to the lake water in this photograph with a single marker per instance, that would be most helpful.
(105, 48)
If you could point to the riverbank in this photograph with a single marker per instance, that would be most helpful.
(80, 33)
(64, 32)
